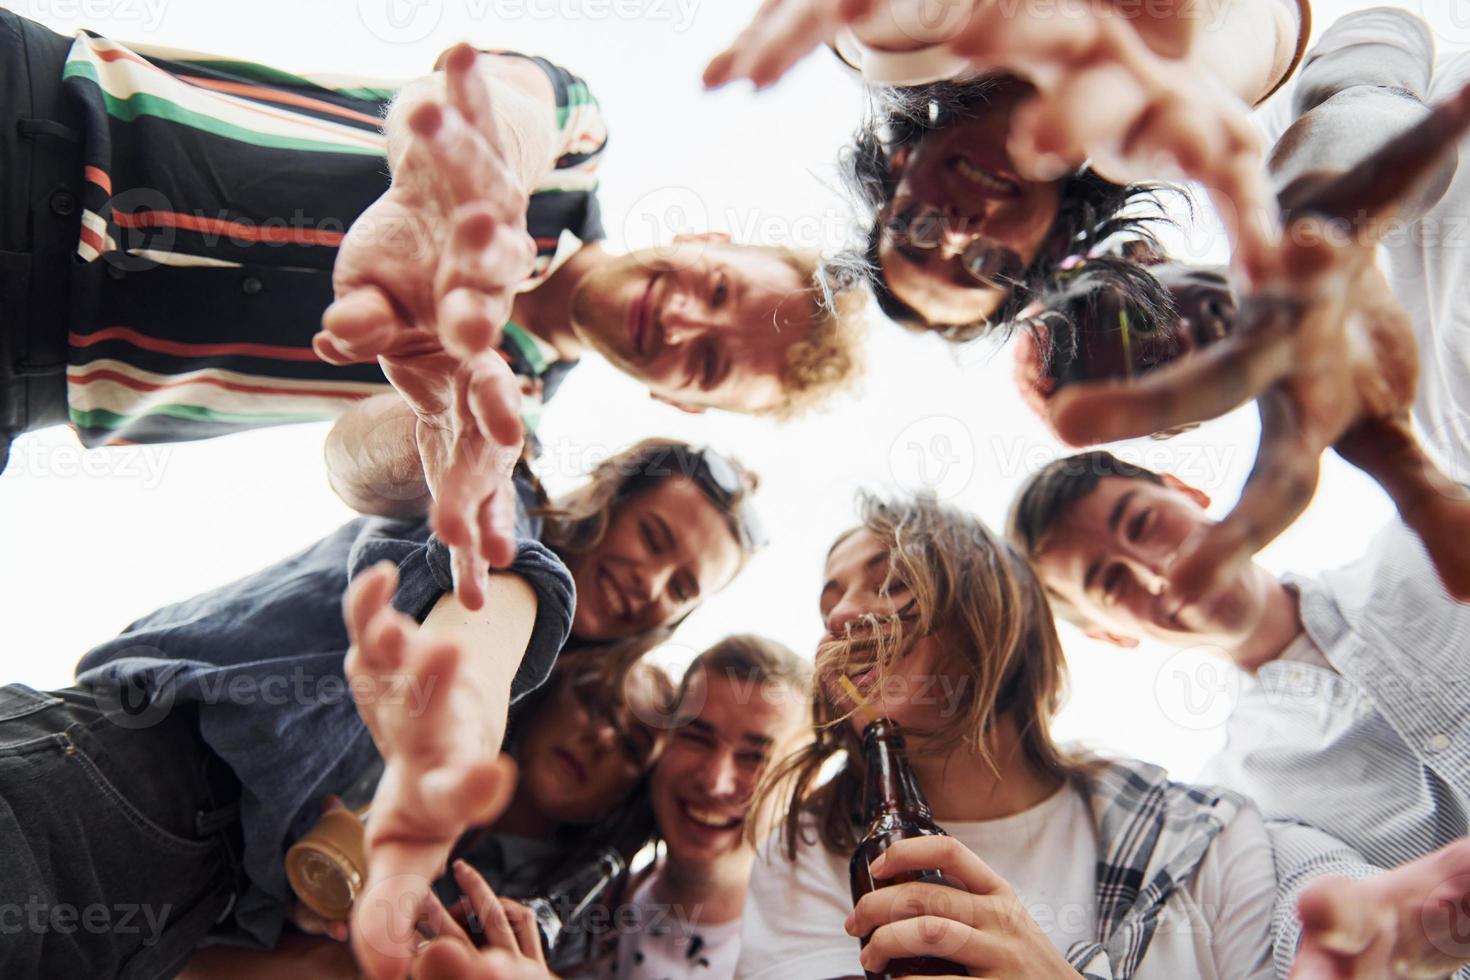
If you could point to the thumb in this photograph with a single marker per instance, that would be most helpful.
(1336, 918)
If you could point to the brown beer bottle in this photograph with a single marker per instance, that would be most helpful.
(895, 810)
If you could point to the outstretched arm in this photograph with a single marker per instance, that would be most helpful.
(434, 699)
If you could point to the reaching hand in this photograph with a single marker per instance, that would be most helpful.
(436, 260)
(1114, 89)
(469, 438)
(512, 938)
(442, 767)
(1330, 357)
(1410, 923)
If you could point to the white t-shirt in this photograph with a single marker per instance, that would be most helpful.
(1218, 926)
(666, 945)
(1427, 263)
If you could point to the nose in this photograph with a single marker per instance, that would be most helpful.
(1149, 570)
(718, 777)
(841, 616)
(599, 735)
(681, 321)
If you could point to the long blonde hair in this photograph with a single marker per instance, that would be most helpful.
(968, 585)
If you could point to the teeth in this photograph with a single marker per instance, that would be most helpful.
(975, 175)
(709, 818)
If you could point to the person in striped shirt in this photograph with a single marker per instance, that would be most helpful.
(174, 223)
(1352, 725)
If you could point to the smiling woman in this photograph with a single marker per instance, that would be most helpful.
(656, 529)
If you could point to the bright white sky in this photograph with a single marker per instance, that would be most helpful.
(93, 540)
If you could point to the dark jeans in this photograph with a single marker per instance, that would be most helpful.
(40, 220)
(117, 842)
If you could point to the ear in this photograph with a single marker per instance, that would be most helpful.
(674, 403)
(1193, 493)
(1126, 642)
(701, 236)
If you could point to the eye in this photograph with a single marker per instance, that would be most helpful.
(752, 759)
(893, 588)
(1137, 524)
(650, 537)
(1114, 582)
(722, 291)
(694, 738)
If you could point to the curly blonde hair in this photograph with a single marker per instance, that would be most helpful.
(830, 357)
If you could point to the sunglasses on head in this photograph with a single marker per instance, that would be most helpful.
(719, 478)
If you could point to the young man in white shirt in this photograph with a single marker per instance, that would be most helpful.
(1353, 719)
(741, 703)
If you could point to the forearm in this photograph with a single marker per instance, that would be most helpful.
(496, 637)
(373, 461)
(525, 114)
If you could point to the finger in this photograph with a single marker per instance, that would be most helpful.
(471, 577)
(437, 920)
(915, 898)
(487, 906)
(468, 93)
(463, 164)
(929, 936)
(1278, 490)
(493, 397)
(498, 544)
(384, 641)
(367, 594)
(1201, 386)
(718, 72)
(945, 854)
(470, 320)
(528, 933)
(1314, 963)
(361, 325)
(1335, 918)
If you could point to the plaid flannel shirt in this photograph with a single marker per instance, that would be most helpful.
(1153, 834)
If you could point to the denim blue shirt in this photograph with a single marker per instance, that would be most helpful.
(262, 658)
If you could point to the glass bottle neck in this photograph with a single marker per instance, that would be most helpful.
(890, 786)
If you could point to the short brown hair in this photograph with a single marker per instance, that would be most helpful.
(830, 357)
(1049, 496)
(751, 659)
(1055, 489)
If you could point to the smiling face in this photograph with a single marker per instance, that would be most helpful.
(704, 782)
(581, 756)
(960, 180)
(859, 603)
(665, 549)
(1109, 558)
(705, 323)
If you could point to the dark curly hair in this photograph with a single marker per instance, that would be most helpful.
(1091, 208)
(1072, 298)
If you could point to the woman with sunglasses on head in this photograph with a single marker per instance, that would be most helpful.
(1068, 864)
(1048, 88)
(228, 718)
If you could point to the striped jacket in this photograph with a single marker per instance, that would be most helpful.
(215, 195)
